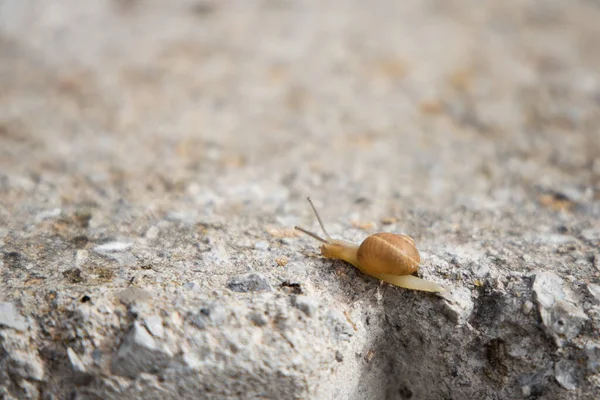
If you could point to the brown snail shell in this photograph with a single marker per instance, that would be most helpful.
(388, 253)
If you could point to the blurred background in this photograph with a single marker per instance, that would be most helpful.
(227, 108)
(345, 98)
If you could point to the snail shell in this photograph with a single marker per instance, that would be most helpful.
(388, 253)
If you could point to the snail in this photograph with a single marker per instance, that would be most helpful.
(386, 256)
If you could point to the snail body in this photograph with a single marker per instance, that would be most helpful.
(386, 256)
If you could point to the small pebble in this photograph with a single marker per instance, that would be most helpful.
(48, 214)
(193, 286)
(562, 316)
(261, 245)
(594, 290)
(258, 319)
(10, 317)
(152, 232)
(26, 365)
(565, 373)
(73, 275)
(133, 295)
(140, 353)
(76, 362)
(113, 247)
(305, 304)
(527, 307)
(154, 325)
(458, 303)
(592, 351)
(249, 283)
(592, 235)
(213, 315)
(282, 261)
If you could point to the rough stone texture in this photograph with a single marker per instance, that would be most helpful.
(156, 155)
(10, 317)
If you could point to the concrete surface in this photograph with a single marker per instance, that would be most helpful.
(155, 156)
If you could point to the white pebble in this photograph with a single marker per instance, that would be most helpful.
(261, 245)
(113, 246)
